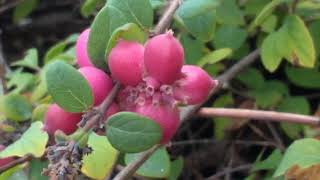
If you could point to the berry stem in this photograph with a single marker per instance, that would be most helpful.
(102, 108)
(259, 115)
(166, 18)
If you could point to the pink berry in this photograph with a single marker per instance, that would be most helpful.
(166, 116)
(113, 109)
(126, 62)
(194, 87)
(4, 161)
(99, 81)
(81, 49)
(58, 119)
(163, 58)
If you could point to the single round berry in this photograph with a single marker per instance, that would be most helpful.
(166, 116)
(99, 81)
(58, 119)
(4, 161)
(163, 58)
(126, 62)
(194, 87)
(81, 49)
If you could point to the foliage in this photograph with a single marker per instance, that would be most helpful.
(214, 34)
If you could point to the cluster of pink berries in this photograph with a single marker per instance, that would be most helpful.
(153, 78)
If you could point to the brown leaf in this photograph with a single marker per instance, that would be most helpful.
(310, 173)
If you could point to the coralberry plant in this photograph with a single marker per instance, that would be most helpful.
(117, 92)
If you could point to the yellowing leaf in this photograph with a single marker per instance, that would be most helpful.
(33, 141)
(99, 163)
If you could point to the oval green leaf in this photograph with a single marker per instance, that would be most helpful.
(215, 56)
(198, 17)
(33, 141)
(107, 20)
(68, 87)
(130, 132)
(306, 78)
(98, 164)
(15, 107)
(157, 166)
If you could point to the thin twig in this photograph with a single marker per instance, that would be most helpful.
(166, 18)
(4, 68)
(129, 170)
(276, 136)
(228, 170)
(259, 115)
(213, 141)
(10, 5)
(102, 108)
(15, 162)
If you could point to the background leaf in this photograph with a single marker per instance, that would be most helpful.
(23, 9)
(30, 60)
(15, 107)
(33, 141)
(130, 132)
(176, 168)
(228, 36)
(197, 16)
(228, 12)
(307, 78)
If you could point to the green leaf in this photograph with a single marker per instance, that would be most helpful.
(89, 6)
(106, 21)
(23, 9)
(40, 91)
(298, 32)
(30, 60)
(304, 153)
(68, 88)
(254, 7)
(228, 12)
(55, 51)
(269, 25)
(156, 3)
(270, 163)
(265, 13)
(130, 132)
(129, 32)
(99, 163)
(157, 166)
(136, 11)
(33, 141)
(270, 56)
(176, 168)
(228, 36)
(20, 81)
(215, 56)
(15, 107)
(306, 78)
(197, 16)
(314, 29)
(298, 105)
(267, 97)
(21, 175)
(193, 49)
(252, 78)
(8, 173)
(39, 112)
(35, 170)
